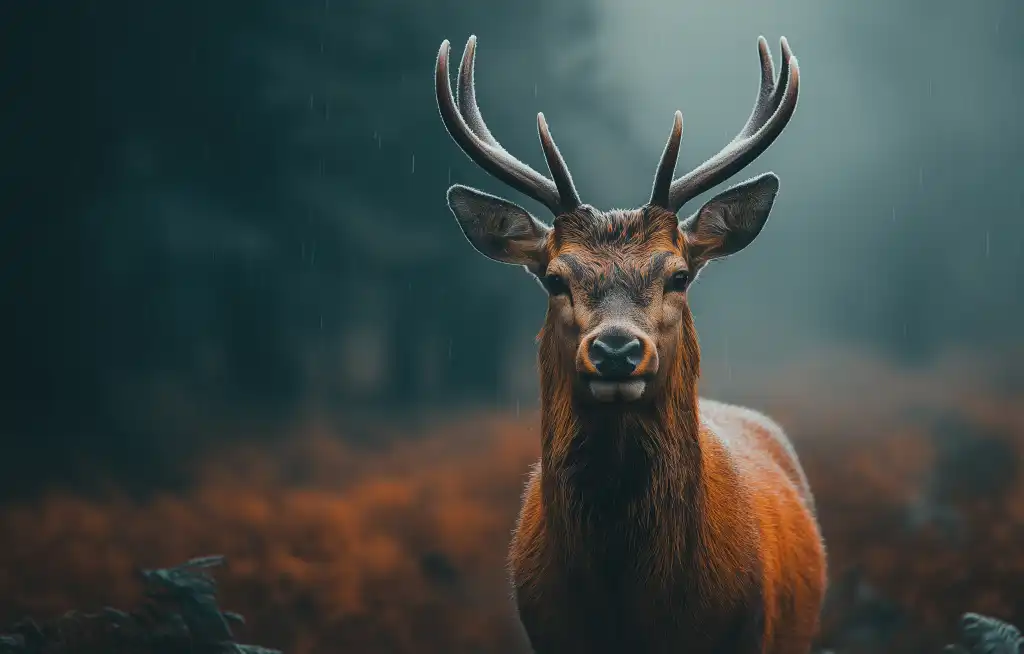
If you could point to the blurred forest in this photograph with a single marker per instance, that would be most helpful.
(239, 208)
(239, 317)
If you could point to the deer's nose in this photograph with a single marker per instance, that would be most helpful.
(615, 353)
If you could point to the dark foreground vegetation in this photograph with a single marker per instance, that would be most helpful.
(180, 615)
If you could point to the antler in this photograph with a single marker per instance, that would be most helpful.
(467, 127)
(772, 111)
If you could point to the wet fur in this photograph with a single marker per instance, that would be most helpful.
(678, 525)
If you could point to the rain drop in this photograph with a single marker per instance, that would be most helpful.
(728, 365)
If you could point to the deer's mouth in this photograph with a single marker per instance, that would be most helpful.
(623, 390)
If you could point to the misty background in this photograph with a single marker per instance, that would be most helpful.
(238, 316)
(234, 212)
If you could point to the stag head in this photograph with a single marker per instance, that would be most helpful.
(617, 280)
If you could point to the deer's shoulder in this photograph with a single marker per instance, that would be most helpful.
(753, 438)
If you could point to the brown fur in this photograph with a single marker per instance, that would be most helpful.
(675, 525)
(655, 522)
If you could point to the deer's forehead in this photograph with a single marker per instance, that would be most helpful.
(584, 263)
(590, 245)
(615, 230)
(602, 276)
(636, 254)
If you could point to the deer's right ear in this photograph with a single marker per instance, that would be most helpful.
(499, 229)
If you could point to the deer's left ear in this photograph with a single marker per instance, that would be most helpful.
(731, 220)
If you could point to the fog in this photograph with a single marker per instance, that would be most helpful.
(241, 210)
(224, 230)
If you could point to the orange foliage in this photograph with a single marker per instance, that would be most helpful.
(402, 548)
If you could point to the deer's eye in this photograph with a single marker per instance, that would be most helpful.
(678, 282)
(555, 285)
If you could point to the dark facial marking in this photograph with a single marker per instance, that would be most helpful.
(613, 251)
(634, 282)
(575, 266)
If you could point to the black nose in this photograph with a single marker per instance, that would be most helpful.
(616, 353)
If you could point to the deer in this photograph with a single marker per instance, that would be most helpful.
(655, 520)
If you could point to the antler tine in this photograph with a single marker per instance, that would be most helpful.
(769, 94)
(466, 126)
(466, 95)
(556, 164)
(772, 111)
(667, 165)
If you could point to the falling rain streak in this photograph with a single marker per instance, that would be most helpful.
(728, 364)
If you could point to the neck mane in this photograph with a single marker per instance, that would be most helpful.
(619, 481)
